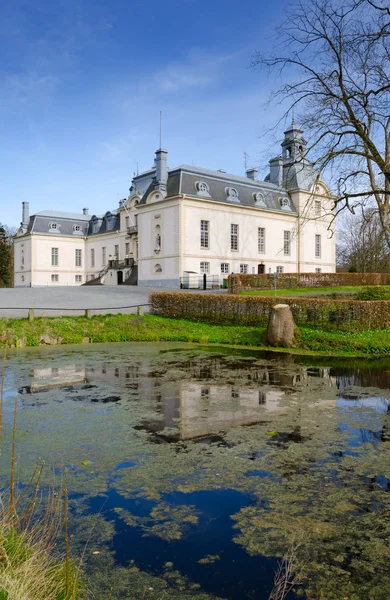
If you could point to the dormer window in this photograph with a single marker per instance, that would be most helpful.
(259, 199)
(285, 204)
(202, 189)
(53, 227)
(95, 224)
(232, 195)
(109, 220)
(77, 229)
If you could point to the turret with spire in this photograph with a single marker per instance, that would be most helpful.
(294, 145)
(292, 170)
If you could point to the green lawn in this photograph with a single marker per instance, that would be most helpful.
(151, 328)
(347, 289)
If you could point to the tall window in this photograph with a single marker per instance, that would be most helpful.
(317, 208)
(136, 220)
(104, 256)
(261, 240)
(54, 257)
(233, 237)
(205, 267)
(78, 278)
(318, 246)
(92, 257)
(224, 267)
(127, 248)
(287, 243)
(243, 268)
(117, 252)
(54, 278)
(78, 258)
(204, 234)
(127, 222)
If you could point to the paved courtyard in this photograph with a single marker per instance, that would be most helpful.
(56, 301)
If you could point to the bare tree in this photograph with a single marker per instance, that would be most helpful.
(333, 58)
(362, 245)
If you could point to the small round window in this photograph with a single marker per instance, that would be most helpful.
(76, 227)
(53, 226)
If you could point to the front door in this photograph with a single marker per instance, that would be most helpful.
(261, 269)
(120, 277)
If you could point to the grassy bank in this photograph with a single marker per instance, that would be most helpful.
(150, 328)
(316, 291)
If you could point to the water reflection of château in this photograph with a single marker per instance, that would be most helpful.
(190, 399)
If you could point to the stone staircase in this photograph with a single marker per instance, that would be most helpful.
(132, 279)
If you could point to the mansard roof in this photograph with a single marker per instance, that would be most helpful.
(66, 223)
(226, 188)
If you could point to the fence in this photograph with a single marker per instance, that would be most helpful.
(238, 283)
(36, 312)
(348, 315)
(200, 282)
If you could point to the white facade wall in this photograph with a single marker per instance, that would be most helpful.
(66, 270)
(311, 224)
(22, 262)
(38, 269)
(97, 243)
(221, 217)
(159, 219)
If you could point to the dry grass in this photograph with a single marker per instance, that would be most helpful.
(31, 568)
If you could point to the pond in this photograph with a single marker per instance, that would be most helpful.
(192, 471)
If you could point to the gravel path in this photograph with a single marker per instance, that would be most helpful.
(100, 299)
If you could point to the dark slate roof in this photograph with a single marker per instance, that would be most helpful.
(73, 223)
(300, 175)
(184, 180)
(43, 223)
(103, 224)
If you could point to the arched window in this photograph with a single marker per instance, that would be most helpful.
(157, 268)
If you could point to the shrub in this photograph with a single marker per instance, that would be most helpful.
(240, 282)
(326, 314)
(372, 293)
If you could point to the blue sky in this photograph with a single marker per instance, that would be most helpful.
(82, 83)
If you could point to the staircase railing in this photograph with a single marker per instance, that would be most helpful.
(98, 277)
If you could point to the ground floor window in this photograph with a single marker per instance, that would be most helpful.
(279, 269)
(318, 270)
(54, 278)
(225, 268)
(78, 278)
(205, 267)
(243, 268)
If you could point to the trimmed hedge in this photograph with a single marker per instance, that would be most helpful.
(346, 315)
(238, 283)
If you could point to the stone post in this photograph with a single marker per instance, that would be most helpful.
(281, 327)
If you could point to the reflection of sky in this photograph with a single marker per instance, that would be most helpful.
(379, 404)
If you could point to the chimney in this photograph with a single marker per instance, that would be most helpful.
(251, 173)
(25, 213)
(276, 171)
(85, 211)
(161, 170)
